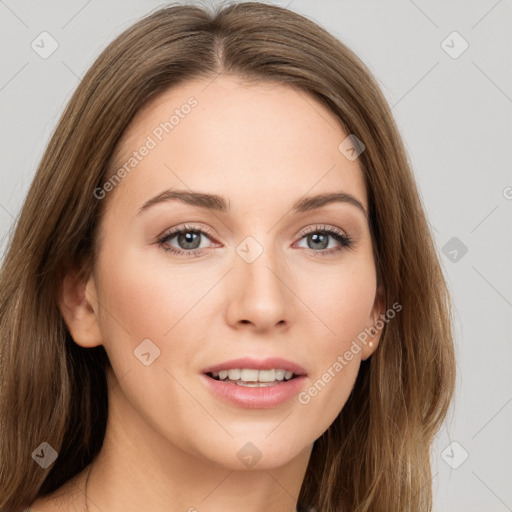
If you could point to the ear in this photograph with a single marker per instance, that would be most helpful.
(78, 305)
(375, 325)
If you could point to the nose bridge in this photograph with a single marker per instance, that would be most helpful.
(259, 293)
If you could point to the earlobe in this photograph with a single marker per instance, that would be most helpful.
(79, 308)
(373, 329)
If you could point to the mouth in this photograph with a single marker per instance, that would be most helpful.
(250, 383)
(252, 377)
(248, 372)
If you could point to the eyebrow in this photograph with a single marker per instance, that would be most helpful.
(220, 204)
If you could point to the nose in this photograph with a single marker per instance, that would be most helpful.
(258, 293)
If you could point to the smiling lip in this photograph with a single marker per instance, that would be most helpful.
(256, 397)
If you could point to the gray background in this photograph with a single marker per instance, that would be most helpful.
(454, 116)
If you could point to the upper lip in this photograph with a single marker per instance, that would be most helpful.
(257, 364)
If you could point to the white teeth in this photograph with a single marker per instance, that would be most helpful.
(267, 375)
(244, 375)
(249, 375)
(280, 374)
(234, 374)
(254, 384)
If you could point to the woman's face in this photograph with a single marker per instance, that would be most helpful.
(251, 276)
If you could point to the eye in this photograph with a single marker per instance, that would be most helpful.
(319, 238)
(188, 239)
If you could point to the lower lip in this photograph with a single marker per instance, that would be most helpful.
(256, 398)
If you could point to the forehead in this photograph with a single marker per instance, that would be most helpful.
(230, 137)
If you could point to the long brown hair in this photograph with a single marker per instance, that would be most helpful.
(376, 454)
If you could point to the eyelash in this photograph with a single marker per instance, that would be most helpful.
(345, 240)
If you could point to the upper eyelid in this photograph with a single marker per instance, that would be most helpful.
(325, 227)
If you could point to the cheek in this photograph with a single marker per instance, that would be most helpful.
(147, 297)
(341, 299)
(146, 300)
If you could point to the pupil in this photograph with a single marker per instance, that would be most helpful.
(190, 237)
(315, 237)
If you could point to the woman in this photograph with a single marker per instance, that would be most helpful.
(222, 292)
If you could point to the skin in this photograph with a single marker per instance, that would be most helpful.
(171, 444)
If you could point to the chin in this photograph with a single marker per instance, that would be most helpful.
(255, 452)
